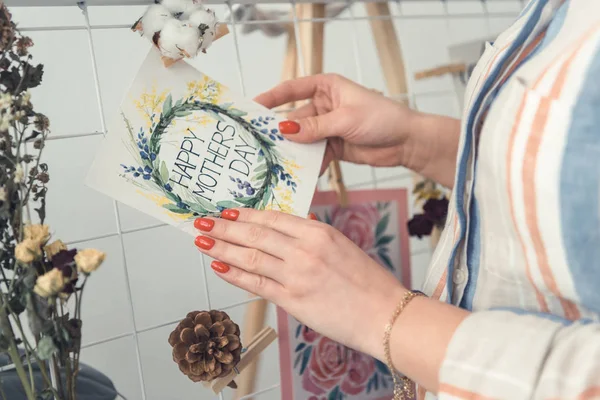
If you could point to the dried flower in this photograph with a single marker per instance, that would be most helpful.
(41, 122)
(43, 177)
(18, 174)
(436, 210)
(54, 248)
(50, 284)
(37, 232)
(28, 251)
(64, 261)
(23, 44)
(89, 260)
(38, 144)
(25, 99)
(6, 101)
(7, 31)
(5, 122)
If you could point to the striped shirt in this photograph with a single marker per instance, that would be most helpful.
(521, 245)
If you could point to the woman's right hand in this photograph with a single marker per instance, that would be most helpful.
(363, 126)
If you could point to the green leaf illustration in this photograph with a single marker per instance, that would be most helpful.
(382, 225)
(237, 113)
(202, 206)
(305, 357)
(174, 209)
(181, 114)
(228, 204)
(226, 106)
(261, 176)
(384, 240)
(245, 200)
(386, 260)
(262, 167)
(164, 172)
(167, 105)
(300, 347)
(214, 115)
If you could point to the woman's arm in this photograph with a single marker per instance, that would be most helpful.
(432, 146)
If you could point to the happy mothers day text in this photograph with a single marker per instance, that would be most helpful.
(209, 168)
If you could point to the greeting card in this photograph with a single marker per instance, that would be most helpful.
(184, 145)
(314, 367)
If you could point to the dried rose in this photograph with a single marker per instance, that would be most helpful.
(42, 123)
(64, 261)
(28, 251)
(43, 177)
(436, 210)
(23, 44)
(50, 284)
(54, 248)
(37, 232)
(420, 225)
(89, 260)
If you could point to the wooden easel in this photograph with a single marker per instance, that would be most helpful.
(311, 42)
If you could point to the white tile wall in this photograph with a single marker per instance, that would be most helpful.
(164, 270)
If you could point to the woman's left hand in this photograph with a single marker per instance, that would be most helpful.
(306, 267)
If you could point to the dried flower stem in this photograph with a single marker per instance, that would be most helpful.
(13, 352)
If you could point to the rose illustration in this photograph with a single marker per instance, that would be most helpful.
(360, 369)
(357, 222)
(328, 365)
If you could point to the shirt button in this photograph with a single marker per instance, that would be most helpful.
(459, 276)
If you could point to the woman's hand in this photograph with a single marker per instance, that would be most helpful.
(364, 126)
(308, 268)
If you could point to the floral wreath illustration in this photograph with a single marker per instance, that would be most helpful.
(152, 173)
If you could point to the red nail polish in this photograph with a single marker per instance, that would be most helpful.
(289, 127)
(204, 224)
(231, 215)
(313, 216)
(219, 267)
(204, 242)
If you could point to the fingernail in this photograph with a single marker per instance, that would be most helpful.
(313, 216)
(219, 267)
(204, 242)
(289, 127)
(231, 215)
(204, 224)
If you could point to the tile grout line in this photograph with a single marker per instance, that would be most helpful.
(83, 6)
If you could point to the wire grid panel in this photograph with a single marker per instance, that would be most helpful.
(153, 275)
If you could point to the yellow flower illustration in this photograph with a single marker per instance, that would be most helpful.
(284, 195)
(206, 90)
(150, 104)
(161, 201)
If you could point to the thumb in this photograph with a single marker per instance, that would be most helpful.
(315, 128)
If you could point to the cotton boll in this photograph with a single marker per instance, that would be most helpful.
(179, 7)
(206, 22)
(154, 19)
(179, 39)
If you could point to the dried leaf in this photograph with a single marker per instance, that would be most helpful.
(46, 348)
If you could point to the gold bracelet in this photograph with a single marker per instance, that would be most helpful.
(402, 391)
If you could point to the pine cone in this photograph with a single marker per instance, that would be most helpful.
(206, 345)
